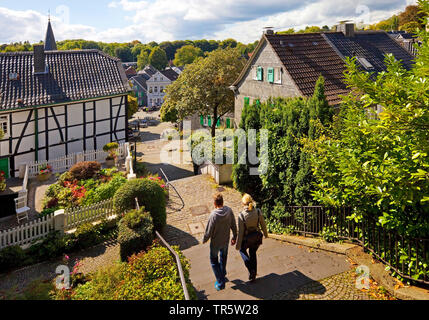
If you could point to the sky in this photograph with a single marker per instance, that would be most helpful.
(162, 20)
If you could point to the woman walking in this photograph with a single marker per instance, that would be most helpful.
(250, 223)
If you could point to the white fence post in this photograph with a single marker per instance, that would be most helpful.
(80, 157)
(60, 220)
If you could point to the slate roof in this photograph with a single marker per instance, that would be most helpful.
(141, 80)
(306, 57)
(72, 75)
(170, 74)
(373, 46)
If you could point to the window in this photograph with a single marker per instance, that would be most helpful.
(156, 89)
(255, 73)
(4, 124)
(206, 121)
(161, 89)
(365, 63)
(278, 75)
(270, 75)
(150, 102)
(150, 90)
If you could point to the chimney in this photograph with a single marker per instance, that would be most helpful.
(347, 28)
(269, 30)
(39, 59)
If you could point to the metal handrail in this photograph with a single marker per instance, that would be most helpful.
(179, 265)
(172, 186)
(176, 256)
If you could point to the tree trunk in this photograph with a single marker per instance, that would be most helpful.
(214, 123)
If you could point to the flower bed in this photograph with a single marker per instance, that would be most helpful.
(84, 184)
(150, 275)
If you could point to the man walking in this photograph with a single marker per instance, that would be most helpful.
(219, 226)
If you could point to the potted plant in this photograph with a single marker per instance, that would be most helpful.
(2, 181)
(45, 173)
(111, 149)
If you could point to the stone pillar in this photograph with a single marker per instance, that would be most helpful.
(79, 157)
(60, 221)
(22, 171)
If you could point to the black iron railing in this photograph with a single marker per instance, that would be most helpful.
(406, 256)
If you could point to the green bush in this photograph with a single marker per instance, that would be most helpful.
(11, 257)
(104, 191)
(87, 235)
(136, 233)
(85, 170)
(150, 195)
(153, 275)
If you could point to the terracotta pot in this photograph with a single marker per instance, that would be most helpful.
(44, 177)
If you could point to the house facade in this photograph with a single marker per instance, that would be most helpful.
(55, 103)
(289, 65)
(157, 84)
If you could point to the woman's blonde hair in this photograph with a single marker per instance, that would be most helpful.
(248, 201)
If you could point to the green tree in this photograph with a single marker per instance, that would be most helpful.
(187, 55)
(133, 105)
(203, 87)
(142, 60)
(158, 58)
(379, 163)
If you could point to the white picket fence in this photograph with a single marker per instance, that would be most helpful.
(63, 164)
(26, 234)
(74, 217)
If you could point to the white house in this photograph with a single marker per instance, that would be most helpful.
(54, 103)
(157, 84)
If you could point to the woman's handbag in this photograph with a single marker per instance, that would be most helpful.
(253, 239)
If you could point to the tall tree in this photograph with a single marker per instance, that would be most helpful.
(158, 58)
(203, 87)
(142, 60)
(187, 55)
(379, 163)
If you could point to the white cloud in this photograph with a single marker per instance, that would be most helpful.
(161, 20)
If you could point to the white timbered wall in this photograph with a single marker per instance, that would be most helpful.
(63, 129)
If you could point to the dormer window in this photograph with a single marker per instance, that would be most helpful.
(13, 76)
(365, 63)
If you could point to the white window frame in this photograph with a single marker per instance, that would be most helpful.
(255, 73)
(4, 125)
(278, 72)
(206, 121)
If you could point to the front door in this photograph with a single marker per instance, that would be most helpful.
(4, 166)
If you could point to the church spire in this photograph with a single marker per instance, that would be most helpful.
(50, 43)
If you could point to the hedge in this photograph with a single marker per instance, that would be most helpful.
(136, 233)
(149, 194)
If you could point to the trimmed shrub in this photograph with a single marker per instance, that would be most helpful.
(87, 235)
(85, 170)
(11, 257)
(136, 233)
(150, 195)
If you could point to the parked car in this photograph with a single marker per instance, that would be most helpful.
(143, 123)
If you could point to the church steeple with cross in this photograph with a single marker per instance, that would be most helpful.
(50, 43)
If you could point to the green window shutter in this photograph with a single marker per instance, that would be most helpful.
(210, 120)
(218, 123)
(271, 75)
(258, 103)
(260, 74)
(202, 120)
(228, 123)
(246, 101)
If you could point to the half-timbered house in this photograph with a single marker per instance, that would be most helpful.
(54, 103)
